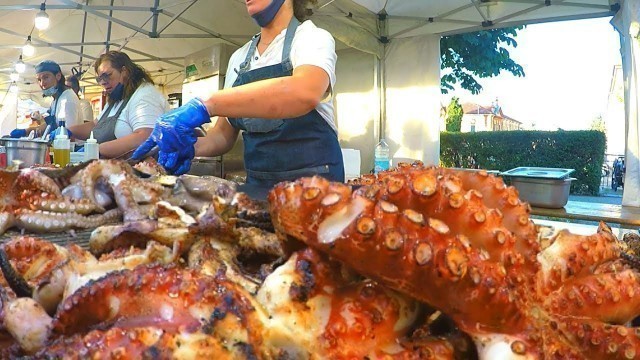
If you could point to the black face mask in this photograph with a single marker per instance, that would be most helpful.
(117, 93)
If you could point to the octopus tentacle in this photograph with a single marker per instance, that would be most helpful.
(609, 297)
(31, 179)
(410, 247)
(42, 221)
(142, 343)
(14, 280)
(573, 255)
(443, 198)
(504, 198)
(49, 203)
(174, 299)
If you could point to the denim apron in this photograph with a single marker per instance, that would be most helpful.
(276, 150)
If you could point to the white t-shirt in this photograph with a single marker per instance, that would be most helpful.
(142, 110)
(66, 108)
(86, 111)
(311, 46)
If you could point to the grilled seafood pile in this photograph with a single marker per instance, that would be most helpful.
(416, 263)
(463, 243)
(95, 193)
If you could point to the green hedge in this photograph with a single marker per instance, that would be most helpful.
(505, 150)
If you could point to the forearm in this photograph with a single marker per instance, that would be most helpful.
(82, 131)
(284, 97)
(120, 146)
(218, 140)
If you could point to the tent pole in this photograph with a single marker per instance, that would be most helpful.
(154, 23)
(383, 31)
(84, 31)
(109, 28)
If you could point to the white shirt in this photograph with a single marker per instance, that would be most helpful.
(311, 46)
(66, 108)
(142, 110)
(85, 111)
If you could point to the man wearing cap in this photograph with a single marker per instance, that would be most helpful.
(65, 104)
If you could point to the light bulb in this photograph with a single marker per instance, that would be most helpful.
(14, 88)
(28, 49)
(42, 19)
(14, 76)
(20, 66)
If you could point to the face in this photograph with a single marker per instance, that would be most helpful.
(255, 6)
(47, 79)
(109, 77)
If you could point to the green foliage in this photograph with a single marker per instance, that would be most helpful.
(454, 115)
(505, 150)
(598, 124)
(483, 54)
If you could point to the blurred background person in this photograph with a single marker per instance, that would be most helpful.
(85, 110)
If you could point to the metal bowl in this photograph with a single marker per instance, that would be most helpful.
(30, 152)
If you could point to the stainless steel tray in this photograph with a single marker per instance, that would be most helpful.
(539, 172)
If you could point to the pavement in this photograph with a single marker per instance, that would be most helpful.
(607, 196)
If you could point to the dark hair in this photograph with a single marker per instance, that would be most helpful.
(301, 9)
(61, 85)
(118, 60)
(75, 83)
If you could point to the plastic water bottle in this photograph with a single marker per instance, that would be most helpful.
(381, 157)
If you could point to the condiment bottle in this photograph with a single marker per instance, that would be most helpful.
(91, 149)
(62, 148)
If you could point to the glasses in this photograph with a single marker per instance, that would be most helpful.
(104, 77)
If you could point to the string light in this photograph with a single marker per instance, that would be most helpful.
(14, 76)
(28, 49)
(20, 66)
(14, 88)
(42, 19)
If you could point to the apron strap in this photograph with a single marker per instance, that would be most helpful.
(244, 67)
(288, 38)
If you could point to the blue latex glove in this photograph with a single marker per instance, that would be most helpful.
(174, 135)
(18, 133)
(54, 133)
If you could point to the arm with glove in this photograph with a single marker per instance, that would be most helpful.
(174, 134)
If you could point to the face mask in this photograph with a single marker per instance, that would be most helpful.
(265, 17)
(117, 92)
(50, 91)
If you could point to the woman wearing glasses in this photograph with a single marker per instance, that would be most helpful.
(133, 105)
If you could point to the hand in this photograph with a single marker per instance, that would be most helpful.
(36, 116)
(174, 135)
(18, 133)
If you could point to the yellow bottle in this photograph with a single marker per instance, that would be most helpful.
(62, 148)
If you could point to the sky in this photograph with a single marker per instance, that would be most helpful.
(568, 68)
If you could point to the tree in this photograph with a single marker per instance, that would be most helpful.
(598, 124)
(483, 54)
(453, 120)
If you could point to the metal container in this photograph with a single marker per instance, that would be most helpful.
(540, 192)
(539, 172)
(210, 166)
(30, 152)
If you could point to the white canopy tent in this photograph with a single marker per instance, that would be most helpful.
(388, 67)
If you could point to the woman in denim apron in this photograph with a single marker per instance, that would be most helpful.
(285, 136)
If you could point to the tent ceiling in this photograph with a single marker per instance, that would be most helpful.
(159, 33)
